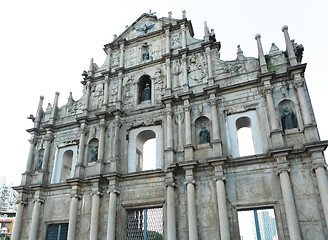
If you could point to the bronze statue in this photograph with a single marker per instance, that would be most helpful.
(146, 93)
(288, 120)
(204, 135)
(94, 155)
(145, 56)
(40, 163)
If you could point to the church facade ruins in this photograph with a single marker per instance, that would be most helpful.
(87, 174)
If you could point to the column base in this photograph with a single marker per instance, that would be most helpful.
(276, 138)
(99, 168)
(169, 157)
(217, 149)
(311, 133)
(42, 176)
(79, 171)
(26, 178)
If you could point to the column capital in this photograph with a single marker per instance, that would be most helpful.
(116, 191)
(268, 89)
(75, 195)
(49, 136)
(99, 194)
(39, 200)
(212, 102)
(102, 125)
(21, 202)
(184, 57)
(318, 165)
(83, 129)
(32, 140)
(193, 182)
(220, 178)
(299, 84)
(168, 112)
(282, 167)
(171, 184)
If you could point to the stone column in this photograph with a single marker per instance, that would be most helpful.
(209, 62)
(183, 36)
(80, 161)
(272, 111)
(38, 113)
(95, 215)
(169, 127)
(54, 109)
(109, 59)
(185, 72)
(87, 98)
(48, 139)
(289, 46)
(35, 219)
(106, 92)
(111, 223)
(188, 143)
(263, 65)
(168, 74)
(167, 41)
(101, 150)
(116, 143)
(217, 148)
(122, 55)
(119, 90)
(73, 217)
(30, 157)
(222, 200)
(206, 32)
(18, 220)
(319, 167)
(288, 198)
(170, 203)
(191, 196)
(299, 84)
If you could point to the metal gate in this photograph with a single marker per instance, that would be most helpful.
(145, 224)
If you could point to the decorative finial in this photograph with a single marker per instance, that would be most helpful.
(257, 36)
(57, 93)
(184, 14)
(114, 37)
(285, 27)
(42, 97)
(170, 14)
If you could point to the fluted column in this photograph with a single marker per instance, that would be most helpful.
(35, 219)
(289, 46)
(18, 220)
(87, 98)
(170, 203)
(169, 127)
(109, 59)
(95, 216)
(187, 122)
(111, 223)
(38, 113)
(299, 84)
(191, 203)
(30, 157)
(288, 198)
(117, 125)
(217, 148)
(73, 217)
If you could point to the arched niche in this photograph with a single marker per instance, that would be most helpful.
(90, 147)
(199, 123)
(137, 138)
(65, 162)
(237, 121)
(144, 82)
(39, 159)
(294, 114)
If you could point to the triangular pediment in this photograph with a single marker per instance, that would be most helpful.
(144, 25)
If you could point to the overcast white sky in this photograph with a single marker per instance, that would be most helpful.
(45, 45)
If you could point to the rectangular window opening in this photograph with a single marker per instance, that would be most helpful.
(258, 224)
(57, 231)
(145, 224)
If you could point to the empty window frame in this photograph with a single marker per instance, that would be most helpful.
(145, 224)
(57, 231)
(245, 137)
(258, 224)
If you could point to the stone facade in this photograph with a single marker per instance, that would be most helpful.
(200, 186)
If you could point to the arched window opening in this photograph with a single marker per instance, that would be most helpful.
(144, 89)
(288, 116)
(66, 165)
(149, 153)
(146, 151)
(202, 128)
(245, 137)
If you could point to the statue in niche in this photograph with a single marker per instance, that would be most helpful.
(204, 135)
(288, 120)
(145, 55)
(40, 163)
(146, 93)
(94, 154)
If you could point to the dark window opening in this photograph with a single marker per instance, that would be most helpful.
(57, 231)
(144, 86)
